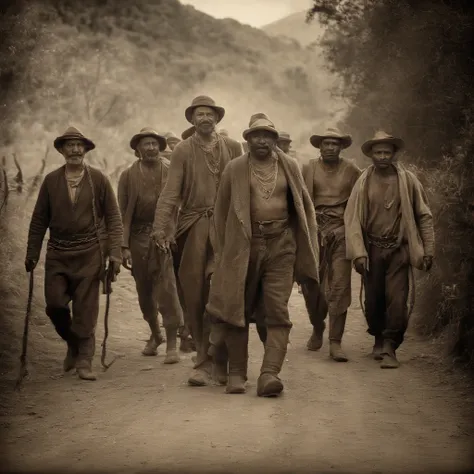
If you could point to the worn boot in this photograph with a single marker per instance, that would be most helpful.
(151, 347)
(172, 356)
(84, 358)
(269, 384)
(61, 319)
(202, 375)
(315, 342)
(378, 348)
(389, 358)
(337, 323)
(237, 344)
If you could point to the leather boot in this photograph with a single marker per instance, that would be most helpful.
(151, 347)
(389, 358)
(237, 344)
(202, 375)
(378, 348)
(315, 342)
(84, 358)
(220, 364)
(269, 384)
(172, 356)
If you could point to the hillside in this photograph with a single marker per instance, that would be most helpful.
(113, 67)
(294, 27)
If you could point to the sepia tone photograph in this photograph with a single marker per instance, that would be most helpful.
(237, 237)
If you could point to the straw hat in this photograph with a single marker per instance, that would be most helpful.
(382, 137)
(148, 132)
(260, 124)
(204, 101)
(346, 140)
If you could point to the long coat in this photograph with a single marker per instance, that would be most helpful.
(234, 233)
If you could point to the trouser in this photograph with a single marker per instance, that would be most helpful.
(177, 253)
(386, 293)
(156, 291)
(73, 276)
(333, 296)
(269, 283)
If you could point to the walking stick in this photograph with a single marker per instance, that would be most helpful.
(107, 290)
(23, 367)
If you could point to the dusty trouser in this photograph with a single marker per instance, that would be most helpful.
(386, 295)
(270, 277)
(74, 276)
(333, 297)
(156, 293)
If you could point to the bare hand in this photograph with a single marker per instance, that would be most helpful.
(30, 265)
(360, 265)
(427, 263)
(126, 258)
(114, 269)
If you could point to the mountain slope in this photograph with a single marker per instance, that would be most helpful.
(113, 67)
(295, 27)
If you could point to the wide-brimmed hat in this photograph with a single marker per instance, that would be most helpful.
(332, 132)
(260, 124)
(148, 132)
(382, 137)
(188, 132)
(284, 137)
(171, 137)
(204, 101)
(73, 133)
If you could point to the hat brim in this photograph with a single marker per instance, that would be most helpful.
(188, 113)
(189, 132)
(59, 142)
(397, 143)
(173, 140)
(136, 138)
(283, 139)
(250, 130)
(346, 140)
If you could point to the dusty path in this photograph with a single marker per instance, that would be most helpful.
(141, 415)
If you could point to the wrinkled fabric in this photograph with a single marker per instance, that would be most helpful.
(234, 235)
(416, 226)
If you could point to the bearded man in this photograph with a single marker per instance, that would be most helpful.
(194, 176)
(78, 206)
(389, 230)
(139, 187)
(266, 237)
(329, 179)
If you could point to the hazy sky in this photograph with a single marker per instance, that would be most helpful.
(252, 12)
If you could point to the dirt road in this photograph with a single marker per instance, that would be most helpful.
(141, 414)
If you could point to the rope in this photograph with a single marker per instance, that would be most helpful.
(23, 362)
(107, 280)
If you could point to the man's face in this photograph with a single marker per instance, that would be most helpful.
(330, 149)
(172, 144)
(204, 119)
(383, 155)
(74, 151)
(284, 145)
(148, 148)
(261, 143)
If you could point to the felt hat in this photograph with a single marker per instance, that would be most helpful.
(171, 137)
(284, 137)
(204, 101)
(260, 124)
(346, 140)
(259, 115)
(73, 133)
(382, 137)
(148, 132)
(188, 132)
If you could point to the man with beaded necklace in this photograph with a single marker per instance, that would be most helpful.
(193, 179)
(266, 237)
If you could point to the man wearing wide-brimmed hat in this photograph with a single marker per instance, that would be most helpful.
(171, 140)
(139, 188)
(330, 178)
(389, 230)
(194, 176)
(78, 205)
(266, 236)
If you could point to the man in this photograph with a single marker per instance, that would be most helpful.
(194, 176)
(284, 142)
(78, 206)
(265, 238)
(171, 141)
(389, 229)
(138, 190)
(329, 179)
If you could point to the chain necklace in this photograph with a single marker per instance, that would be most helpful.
(266, 175)
(149, 173)
(211, 155)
